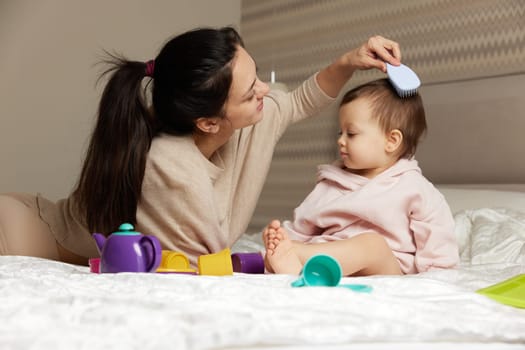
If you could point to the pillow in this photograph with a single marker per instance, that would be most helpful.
(491, 235)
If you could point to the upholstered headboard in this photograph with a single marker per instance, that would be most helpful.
(470, 56)
(476, 131)
(475, 139)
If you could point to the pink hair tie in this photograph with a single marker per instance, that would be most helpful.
(150, 68)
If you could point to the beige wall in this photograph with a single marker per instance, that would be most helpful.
(48, 97)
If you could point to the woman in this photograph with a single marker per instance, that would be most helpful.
(190, 168)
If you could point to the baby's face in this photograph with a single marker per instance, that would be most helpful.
(362, 142)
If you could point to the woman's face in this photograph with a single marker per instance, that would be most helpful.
(244, 106)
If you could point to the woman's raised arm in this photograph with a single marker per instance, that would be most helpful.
(372, 54)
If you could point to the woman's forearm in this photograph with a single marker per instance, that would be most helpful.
(372, 54)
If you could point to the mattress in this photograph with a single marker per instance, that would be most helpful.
(53, 305)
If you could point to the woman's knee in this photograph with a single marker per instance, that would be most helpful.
(22, 232)
(7, 205)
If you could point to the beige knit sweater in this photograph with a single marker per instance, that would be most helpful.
(192, 204)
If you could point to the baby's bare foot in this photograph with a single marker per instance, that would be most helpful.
(282, 258)
(270, 231)
(268, 236)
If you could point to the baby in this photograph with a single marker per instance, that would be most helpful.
(372, 210)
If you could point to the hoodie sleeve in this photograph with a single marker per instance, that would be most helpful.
(432, 225)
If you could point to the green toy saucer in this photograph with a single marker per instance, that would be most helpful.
(510, 292)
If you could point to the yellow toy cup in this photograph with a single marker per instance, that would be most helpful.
(174, 262)
(216, 264)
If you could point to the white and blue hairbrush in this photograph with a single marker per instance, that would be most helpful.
(404, 80)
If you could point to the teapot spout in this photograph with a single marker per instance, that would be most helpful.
(100, 239)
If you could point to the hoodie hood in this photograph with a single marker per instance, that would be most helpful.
(336, 173)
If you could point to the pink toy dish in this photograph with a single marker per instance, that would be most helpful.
(94, 265)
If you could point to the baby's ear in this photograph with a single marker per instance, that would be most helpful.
(207, 125)
(394, 139)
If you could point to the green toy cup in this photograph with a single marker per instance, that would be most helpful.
(319, 270)
(324, 271)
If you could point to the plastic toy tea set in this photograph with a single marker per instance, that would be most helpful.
(127, 250)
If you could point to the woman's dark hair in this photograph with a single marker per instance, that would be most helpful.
(406, 114)
(191, 79)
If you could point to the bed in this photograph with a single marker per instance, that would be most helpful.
(52, 305)
(473, 95)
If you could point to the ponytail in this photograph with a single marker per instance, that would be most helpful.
(110, 183)
(192, 77)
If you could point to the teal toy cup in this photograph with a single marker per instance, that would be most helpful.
(319, 270)
(324, 271)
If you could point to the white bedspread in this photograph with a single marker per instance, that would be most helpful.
(51, 305)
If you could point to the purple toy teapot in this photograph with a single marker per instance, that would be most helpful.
(128, 251)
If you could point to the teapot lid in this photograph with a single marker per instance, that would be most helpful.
(126, 229)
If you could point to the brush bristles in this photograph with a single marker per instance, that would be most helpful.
(406, 93)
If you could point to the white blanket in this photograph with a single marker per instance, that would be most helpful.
(51, 305)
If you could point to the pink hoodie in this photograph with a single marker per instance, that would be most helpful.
(400, 204)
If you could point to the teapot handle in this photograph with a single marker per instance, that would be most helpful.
(153, 250)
